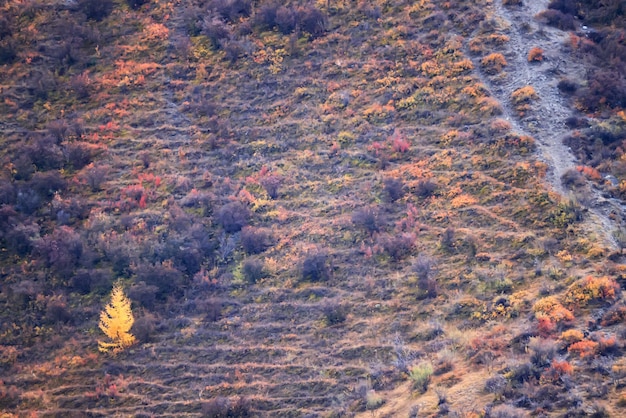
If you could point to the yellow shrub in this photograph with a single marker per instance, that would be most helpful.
(572, 336)
(549, 307)
(591, 289)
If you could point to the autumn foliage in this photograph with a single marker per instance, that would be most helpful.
(535, 55)
(116, 321)
(591, 289)
(584, 348)
(493, 63)
(550, 308)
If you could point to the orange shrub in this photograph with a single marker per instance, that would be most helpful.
(499, 126)
(585, 348)
(589, 172)
(488, 106)
(591, 289)
(523, 95)
(462, 66)
(557, 370)
(493, 63)
(549, 307)
(562, 367)
(535, 55)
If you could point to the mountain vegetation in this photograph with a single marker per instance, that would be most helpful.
(311, 209)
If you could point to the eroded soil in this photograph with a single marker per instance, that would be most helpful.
(546, 123)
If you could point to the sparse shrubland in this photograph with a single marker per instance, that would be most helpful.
(315, 208)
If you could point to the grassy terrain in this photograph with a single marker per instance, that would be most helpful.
(319, 210)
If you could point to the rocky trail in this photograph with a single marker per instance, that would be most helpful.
(546, 122)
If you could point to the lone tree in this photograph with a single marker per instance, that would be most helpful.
(115, 321)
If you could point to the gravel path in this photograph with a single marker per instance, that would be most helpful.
(546, 123)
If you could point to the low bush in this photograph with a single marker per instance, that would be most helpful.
(144, 326)
(523, 95)
(212, 309)
(94, 176)
(27, 200)
(255, 240)
(425, 268)
(253, 270)
(573, 178)
(394, 189)
(223, 407)
(265, 15)
(564, 6)
(96, 9)
(41, 84)
(143, 294)
(136, 4)
(605, 87)
(311, 20)
(368, 219)
(215, 30)
(285, 19)
(334, 313)
(558, 19)
(78, 154)
(94, 281)
(315, 267)
(46, 184)
(446, 240)
(592, 289)
(8, 51)
(426, 188)
(567, 86)
(493, 63)
(288, 19)
(420, 376)
(542, 351)
(19, 240)
(615, 315)
(495, 384)
(535, 55)
(167, 279)
(231, 10)
(58, 129)
(57, 311)
(550, 308)
(397, 246)
(45, 153)
(80, 84)
(60, 251)
(233, 216)
(271, 184)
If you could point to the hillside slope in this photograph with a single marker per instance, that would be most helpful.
(318, 209)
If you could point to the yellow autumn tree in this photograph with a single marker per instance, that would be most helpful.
(115, 321)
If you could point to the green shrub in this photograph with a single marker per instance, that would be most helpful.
(420, 375)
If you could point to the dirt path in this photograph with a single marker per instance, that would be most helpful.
(546, 123)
